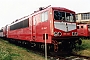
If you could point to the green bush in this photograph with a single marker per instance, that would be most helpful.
(85, 45)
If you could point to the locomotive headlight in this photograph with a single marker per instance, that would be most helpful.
(74, 33)
(57, 34)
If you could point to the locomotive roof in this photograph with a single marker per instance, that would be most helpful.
(43, 9)
(63, 9)
(54, 8)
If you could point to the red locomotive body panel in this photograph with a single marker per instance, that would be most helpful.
(33, 27)
(83, 30)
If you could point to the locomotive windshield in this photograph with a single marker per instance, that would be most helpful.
(64, 16)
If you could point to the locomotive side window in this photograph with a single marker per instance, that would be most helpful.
(26, 23)
(44, 16)
(34, 20)
(22, 24)
(12, 27)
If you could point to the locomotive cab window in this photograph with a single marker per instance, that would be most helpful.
(64, 16)
(70, 17)
(44, 16)
(59, 15)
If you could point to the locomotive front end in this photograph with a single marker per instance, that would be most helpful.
(65, 29)
(64, 24)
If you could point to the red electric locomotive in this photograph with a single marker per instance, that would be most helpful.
(83, 30)
(58, 23)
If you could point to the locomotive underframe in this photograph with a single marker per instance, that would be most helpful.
(58, 44)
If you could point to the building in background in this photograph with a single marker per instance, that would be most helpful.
(83, 17)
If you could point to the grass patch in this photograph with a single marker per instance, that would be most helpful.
(85, 45)
(83, 49)
(12, 52)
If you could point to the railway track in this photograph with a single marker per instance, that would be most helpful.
(68, 56)
(62, 56)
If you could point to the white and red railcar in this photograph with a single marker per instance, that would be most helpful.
(83, 30)
(3, 32)
(58, 23)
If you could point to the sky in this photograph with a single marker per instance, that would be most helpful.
(10, 10)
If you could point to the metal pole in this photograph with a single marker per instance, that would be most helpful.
(45, 48)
